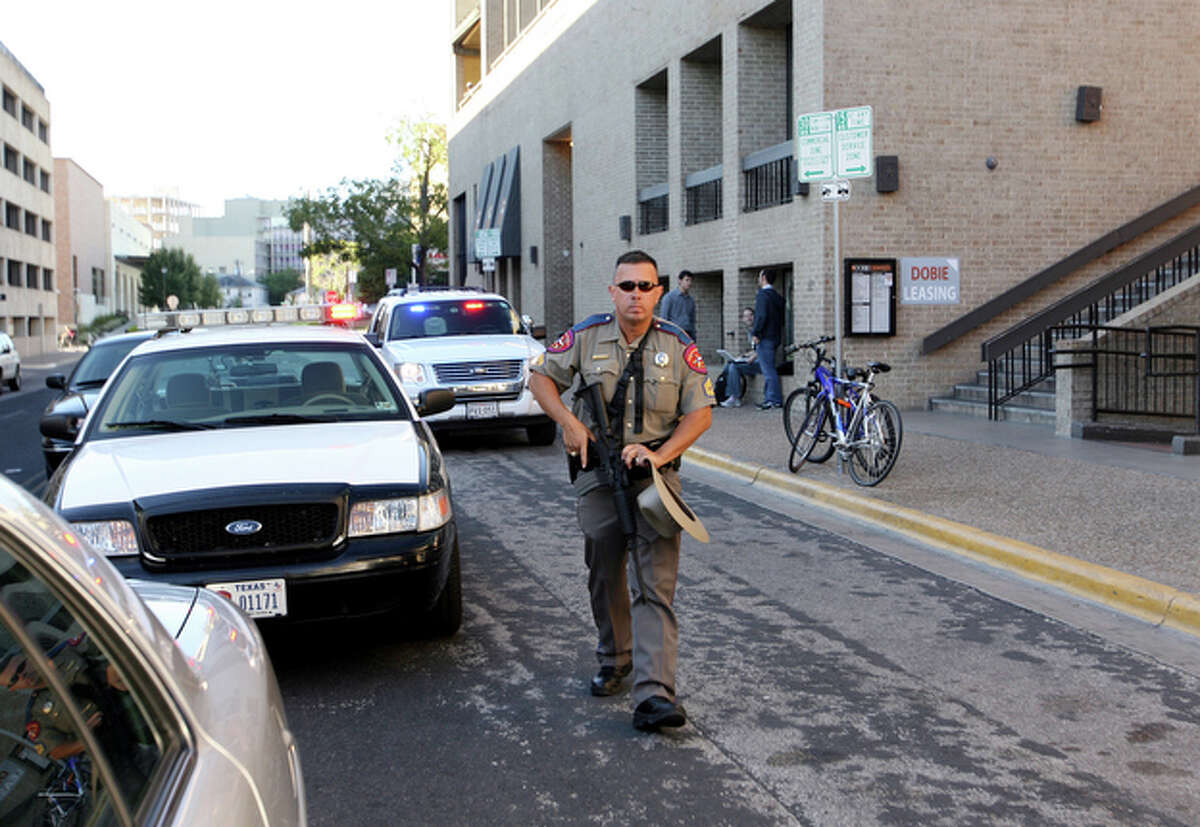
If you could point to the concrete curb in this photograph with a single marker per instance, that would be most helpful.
(1127, 593)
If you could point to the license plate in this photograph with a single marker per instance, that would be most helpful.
(483, 410)
(257, 598)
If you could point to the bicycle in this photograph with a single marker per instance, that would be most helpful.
(793, 412)
(867, 439)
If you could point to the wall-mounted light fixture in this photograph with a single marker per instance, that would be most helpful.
(533, 254)
(1087, 104)
(887, 173)
(625, 227)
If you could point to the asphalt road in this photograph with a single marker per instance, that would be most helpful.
(827, 683)
(831, 675)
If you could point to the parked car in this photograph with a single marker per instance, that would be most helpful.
(79, 390)
(281, 466)
(10, 363)
(468, 342)
(125, 702)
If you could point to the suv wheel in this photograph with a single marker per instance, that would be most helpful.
(445, 617)
(542, 434)
(15, 382)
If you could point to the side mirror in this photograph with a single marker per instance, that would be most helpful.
(57, 381)
(60, 426)
(434, 401)
(373, 338)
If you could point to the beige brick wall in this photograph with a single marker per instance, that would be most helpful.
(987, 80)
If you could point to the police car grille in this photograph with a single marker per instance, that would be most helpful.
(467, 372)
(290, 526)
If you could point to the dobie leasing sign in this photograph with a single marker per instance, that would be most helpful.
(929, 281)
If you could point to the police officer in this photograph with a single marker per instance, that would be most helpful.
(656, 384)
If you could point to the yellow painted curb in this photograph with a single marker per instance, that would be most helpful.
(1128, 593)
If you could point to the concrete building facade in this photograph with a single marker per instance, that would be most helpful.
(82, 245)
(250, 239)
(28, 279)
(585, 128)
(131, 242)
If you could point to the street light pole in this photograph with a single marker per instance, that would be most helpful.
(164, 275)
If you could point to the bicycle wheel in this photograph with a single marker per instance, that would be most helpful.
(879, 443)
(807, 435)
(795, 409)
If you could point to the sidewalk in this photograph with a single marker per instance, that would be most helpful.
(1013, 495)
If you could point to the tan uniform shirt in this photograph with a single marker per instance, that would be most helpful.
(676, 380)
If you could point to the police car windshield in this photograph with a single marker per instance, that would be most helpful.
(101, 360)
(459, 317)
(246, 386)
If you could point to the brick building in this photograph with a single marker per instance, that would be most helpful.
(584, 128)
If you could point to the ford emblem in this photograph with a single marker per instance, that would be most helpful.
(242, 528)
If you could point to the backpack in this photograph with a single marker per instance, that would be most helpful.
(719, 389)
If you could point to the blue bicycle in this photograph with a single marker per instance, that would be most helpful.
(842, 412)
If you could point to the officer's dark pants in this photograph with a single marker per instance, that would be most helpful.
(642, 629)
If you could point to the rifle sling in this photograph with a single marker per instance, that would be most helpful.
(616, 407)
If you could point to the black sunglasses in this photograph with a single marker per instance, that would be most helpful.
(644, 286)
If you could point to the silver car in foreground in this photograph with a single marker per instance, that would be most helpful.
(129, 703)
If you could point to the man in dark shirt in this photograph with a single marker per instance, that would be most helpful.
(679, 306)
(768, 333)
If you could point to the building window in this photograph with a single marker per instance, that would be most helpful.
(12, 216)
(31, 275)
(10, 102)
(27, 118)
(31, 224)
(14, 273)
(45, 181)
(43, 132)
(11, 160)
(31, 172)
(47, 279)
(46, 234)
(98, 283)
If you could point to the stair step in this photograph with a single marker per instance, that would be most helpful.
(1009, 413)
(982, 376)
(1034, 398)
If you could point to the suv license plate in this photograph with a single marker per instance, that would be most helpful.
(483, 410)
(257, 598)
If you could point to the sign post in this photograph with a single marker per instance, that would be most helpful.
(831, 146)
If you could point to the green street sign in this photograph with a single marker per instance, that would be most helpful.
(852, 139)
(834, 144)
(814, 146)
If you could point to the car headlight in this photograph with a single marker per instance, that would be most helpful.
(411, 373)
(423, 513)
(114, 538)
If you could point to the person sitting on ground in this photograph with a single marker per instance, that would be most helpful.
(746, 365)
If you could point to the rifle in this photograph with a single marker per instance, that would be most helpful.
(608, 454)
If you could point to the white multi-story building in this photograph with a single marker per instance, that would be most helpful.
(29, 309)
(1006, 138)
(250, 239)
(162, 212)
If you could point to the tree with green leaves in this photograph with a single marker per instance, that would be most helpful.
(172, 271)
(372, 224)
(280, 283)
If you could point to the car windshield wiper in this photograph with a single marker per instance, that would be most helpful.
(275, 419)
(162, 425)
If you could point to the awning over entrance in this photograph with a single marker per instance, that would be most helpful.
(497, 231)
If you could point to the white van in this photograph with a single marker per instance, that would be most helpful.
(10, 363)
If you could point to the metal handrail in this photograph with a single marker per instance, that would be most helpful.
(1061, 269)
(1028, 346)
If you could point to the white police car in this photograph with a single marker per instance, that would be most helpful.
(281, 466)
(471, 343)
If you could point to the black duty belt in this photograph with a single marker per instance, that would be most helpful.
(637, 472)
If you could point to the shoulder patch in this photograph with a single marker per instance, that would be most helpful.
(563, 343)
(592, 321)
(675, 330)
(694, 360)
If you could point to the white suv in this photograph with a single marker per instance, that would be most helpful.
(10, 363)
(471, 343)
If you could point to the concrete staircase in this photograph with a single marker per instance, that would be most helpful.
(1035, 405)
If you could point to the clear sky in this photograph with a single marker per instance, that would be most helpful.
(228, 98)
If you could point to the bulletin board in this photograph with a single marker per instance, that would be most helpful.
(870, 297)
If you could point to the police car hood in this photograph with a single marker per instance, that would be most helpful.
(464, 348)
(359, 453)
